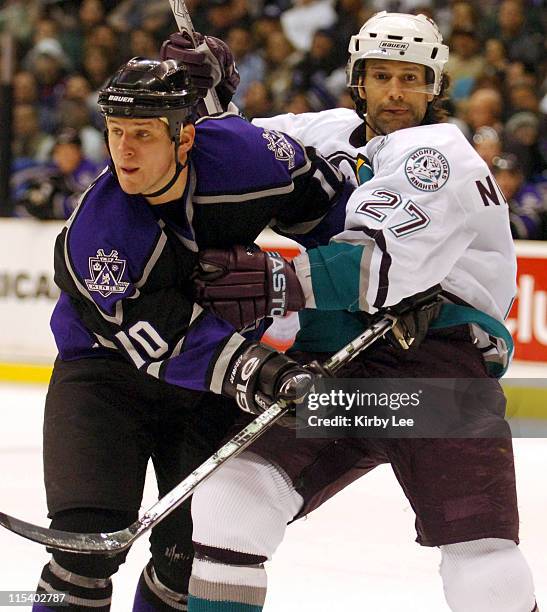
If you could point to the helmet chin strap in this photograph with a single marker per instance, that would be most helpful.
(178, 169)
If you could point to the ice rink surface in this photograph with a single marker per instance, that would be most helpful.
(355, 553)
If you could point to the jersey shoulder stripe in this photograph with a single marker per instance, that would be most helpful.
(233, 157)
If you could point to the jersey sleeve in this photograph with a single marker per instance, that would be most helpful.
(408, 227)
(272, 180)
(125, 290)
(290, 123)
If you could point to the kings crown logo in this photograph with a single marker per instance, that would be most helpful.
(280, 147)
(106, 272)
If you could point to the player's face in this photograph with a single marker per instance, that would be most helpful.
(391, 89)
(142, 152)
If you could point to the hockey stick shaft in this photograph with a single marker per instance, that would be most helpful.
(118, 541)
(184, 24)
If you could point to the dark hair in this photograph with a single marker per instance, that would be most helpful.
(436, 110)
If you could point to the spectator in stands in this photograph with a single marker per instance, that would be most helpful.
(465, 64)
(298, 102)
(51, 190)
(49, 64)
(281, 58)
(526, 209)
(485, 107)
(306, 17)
(458, 15)
(105, 37)
(29, 141)
(258, 101)
(80, 23)
(132, 14)
(79, 90)
(267, 23)
(25, 88)
(311, 73)
(143, 44)
(349, 21)
(91, 14)
(77, 116)
(495, 55)
(522, 97)
(20, 17)
(97, 65)
(522, 137)
(249, 62)
(222, 15)
(487, 143)
(522, 40)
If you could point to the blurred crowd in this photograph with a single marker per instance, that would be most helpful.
(291, 55)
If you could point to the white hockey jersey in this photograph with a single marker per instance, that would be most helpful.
(432, 213)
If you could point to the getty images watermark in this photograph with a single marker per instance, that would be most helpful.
(404, 408)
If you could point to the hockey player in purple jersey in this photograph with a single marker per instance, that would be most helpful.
(429, 213)
(141, 367)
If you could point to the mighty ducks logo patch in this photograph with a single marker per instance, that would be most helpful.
(106, 272)
(427, 169)
(280, 147)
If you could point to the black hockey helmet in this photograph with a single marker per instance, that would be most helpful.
(150, 88)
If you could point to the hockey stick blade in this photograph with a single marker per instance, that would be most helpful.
(118, 541)
(74, 542)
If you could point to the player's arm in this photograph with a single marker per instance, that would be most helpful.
(156, 327)
(273, 180)
(398, 240)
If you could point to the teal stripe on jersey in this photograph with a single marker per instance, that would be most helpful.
(335, 271)
(327, 330)
(453, 314)
(197, 604)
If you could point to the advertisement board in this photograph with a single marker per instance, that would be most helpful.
(28, 294)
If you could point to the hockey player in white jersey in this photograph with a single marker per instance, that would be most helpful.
(431, 213)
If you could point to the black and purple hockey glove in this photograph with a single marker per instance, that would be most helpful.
(243, 286)
(211, 64)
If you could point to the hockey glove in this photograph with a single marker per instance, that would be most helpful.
(414, 315)
(259, 376)
(243, 286)
(210, 64)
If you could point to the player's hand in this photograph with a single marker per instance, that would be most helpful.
(243, 286)
(414, 316)
(211, 64)
(259, 376)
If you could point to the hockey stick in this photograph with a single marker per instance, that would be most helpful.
(184, 23)
(118, 541)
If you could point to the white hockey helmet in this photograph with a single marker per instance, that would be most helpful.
(401, 37)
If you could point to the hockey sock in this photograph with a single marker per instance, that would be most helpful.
(82, 593)
(240, 515)
(216, 587)
(486, 575)
(154, 596)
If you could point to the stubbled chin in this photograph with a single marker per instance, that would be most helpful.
(397, 123)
